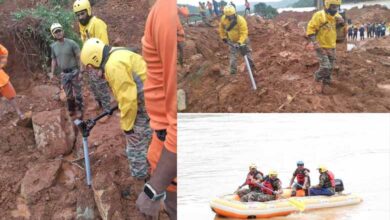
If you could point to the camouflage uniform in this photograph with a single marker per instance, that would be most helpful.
(99, 89)
(72, 87)
(261, 196)
(326, 58)
(243, 192)
(233, 56)
(138, 141)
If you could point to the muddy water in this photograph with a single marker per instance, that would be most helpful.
(215, 151)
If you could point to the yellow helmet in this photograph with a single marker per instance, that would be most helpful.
(273, 173)
(229, 10)
(80, 5)
(54, 27)
(92, 52)
(322, 168)
(252, 166)
(332, 2)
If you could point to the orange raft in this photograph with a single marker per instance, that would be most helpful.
(230, 205)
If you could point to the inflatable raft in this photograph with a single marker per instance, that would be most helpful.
(230, 205)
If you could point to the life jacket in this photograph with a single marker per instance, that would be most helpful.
(249, 178)
(330, 180)
(270, 185)
(301, 175)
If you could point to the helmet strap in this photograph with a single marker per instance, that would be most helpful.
(106, 55)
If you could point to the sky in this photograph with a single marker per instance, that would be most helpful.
(237, 2)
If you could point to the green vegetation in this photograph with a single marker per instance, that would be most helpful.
(265, 11)
(46, 15)
(311, 3)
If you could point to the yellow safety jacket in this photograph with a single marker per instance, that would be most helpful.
(96, 28)
(323, 26)
(238, 33)
(125, 72)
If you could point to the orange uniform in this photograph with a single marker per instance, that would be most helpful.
(160, 53)
(6, 88)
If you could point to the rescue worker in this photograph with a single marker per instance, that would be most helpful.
(6, 88)
(202, 12)
(361, 32)
(125, 72)
(253, 179)
(350, 32)
(326, 185)
(180, 38)
(303, 179)
(160, 53)
(321, 31)
(247, 7)
(215, 6)
(271, 187)
(65, 53)
(234, 31)
(355, 32)
(210, 7)
(92, 27)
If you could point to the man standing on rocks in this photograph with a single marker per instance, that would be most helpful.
(93, 27)
(65, 53)
(233, 28)
(322, 34)
(6, 88)
(160, 53)
(125, 72)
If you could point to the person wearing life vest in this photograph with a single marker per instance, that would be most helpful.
(92, 27)
(6, 88)
(159, 49)
(321, 31)
(327, 184)
(125, 72)
(302, 175)
(233, 28)
(253, 179)
(271, 187)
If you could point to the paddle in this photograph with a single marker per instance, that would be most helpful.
(294, 202)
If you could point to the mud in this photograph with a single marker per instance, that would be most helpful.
(64, 194)
(284, 72)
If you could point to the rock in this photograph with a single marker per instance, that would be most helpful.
(107, 197)
(196, 57)
(39, 177)
(53, 131)
(181, 100)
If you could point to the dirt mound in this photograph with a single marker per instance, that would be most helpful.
(371, 14)
(284, 74)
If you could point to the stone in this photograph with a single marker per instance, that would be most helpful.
(181, 100)
(189, 49)
(54, 133)
(196, 57)
(41, 176)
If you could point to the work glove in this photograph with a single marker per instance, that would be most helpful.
(225, 40)
(161, 178)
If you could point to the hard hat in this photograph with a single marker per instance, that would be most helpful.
(273, 173)
(229, 10)
(332, 2)
(80, 5)
(252, 166)
(92, 52)
(300, 163)
(54, 27)
(322, 168)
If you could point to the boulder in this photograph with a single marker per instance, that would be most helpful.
(53, 131)
(41, 176)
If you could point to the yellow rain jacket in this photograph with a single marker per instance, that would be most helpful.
(96, 28)
(238, 34)
(323, 26)
(124, 72)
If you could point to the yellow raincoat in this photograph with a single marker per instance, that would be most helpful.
(238, 34)
(324, 26)
(122, 69)
(96, 28)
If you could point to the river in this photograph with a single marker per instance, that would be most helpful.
(216, 149)
(343, 6)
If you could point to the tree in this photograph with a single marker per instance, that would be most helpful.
(265, 11)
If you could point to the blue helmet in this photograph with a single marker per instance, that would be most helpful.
(300, 163)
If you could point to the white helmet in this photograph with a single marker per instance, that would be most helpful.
(54, 27)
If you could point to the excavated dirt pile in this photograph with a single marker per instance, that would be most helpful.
(42, 167)
(284, 74)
